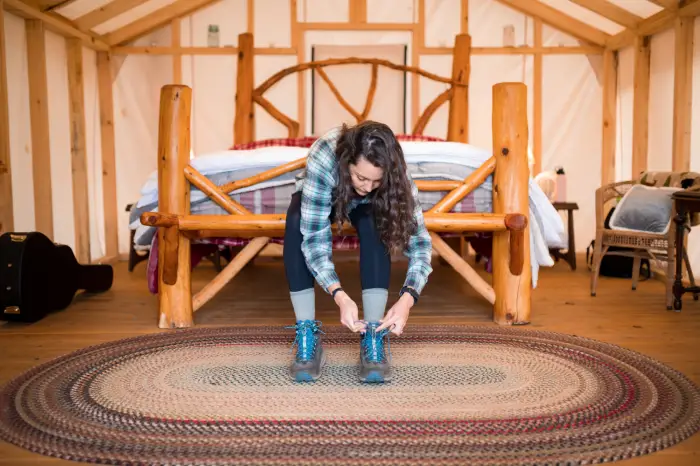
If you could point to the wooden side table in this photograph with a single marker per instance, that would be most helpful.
(686, 202)
(570, 256)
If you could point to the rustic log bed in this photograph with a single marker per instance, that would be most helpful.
(510, 290)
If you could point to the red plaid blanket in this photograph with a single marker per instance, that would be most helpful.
(308, 141)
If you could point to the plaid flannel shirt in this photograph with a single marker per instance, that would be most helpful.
(317, 183)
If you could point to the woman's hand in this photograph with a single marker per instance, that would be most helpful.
(395, 319)
(349, 314)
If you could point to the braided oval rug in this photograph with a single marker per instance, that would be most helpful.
(461, 395)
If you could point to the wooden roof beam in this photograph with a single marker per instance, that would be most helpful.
(105, 13)
(667, 4)
(155, 20)
(654, 24)
(55, 24)
(559, 20)
(611, 12)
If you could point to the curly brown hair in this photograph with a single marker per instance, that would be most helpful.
(392, 202)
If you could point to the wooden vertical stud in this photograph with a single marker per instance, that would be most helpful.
(358, 11)
(464, 17)
(177, 51)
(39, 115)
(609, 116)
(510, 195)
(682, 93)
(458, 129)
(109, 170)
(640, 120)
(76, 97)
(174, 278)
(537, 99)
(244, 123)
(418, 42)
(6, 209)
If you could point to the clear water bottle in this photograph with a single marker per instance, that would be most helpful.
(213, 35)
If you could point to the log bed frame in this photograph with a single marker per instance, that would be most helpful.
(512, 276)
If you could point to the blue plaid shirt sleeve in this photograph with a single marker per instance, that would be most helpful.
(419, 249)
(316, 206)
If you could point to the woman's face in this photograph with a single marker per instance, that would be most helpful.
(365, 176)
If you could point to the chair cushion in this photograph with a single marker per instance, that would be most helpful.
(644, 209)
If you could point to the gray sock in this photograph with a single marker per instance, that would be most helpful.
(374, 304)
(304, 303)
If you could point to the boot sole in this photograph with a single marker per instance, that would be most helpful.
(306, 376)
(375, 377)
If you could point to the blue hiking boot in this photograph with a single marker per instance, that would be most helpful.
(310, 357)
(374, 365)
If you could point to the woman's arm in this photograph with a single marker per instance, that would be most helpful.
(316, 206)
(419, 249)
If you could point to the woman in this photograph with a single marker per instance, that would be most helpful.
(356, 175)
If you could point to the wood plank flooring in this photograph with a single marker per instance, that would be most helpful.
(636, 320)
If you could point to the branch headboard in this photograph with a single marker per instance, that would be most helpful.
(248, 96)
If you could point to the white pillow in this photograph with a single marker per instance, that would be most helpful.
(645, 209)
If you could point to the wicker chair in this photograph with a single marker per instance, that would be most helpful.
(639, 245)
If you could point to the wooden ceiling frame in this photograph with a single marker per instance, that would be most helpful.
(155, 20)
(558, 20)
(611, 12)
(654, 24)
(55, 23)
(105, 13)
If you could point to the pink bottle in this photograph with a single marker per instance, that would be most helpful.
(561, 185)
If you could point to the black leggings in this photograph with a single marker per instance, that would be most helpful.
(375, 262)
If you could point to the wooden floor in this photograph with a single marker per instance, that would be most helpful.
(637, 320)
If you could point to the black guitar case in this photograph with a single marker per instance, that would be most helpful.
(38, 276)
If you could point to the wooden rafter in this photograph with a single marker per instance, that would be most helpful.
(55, 24)
(558, 20)
(105, 13)
(610, 11)
(654, 24)
(668, 4)
(155, 20)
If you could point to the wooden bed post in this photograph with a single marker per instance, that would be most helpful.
(244, 122)
(174, 281)
(458, 120)
(510, 195)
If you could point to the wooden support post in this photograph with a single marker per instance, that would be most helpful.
(39, 113)
(458, 120)
(510, 196)
(537, 100)
(640, 116)
(682, 93)
(609, 115)
(175, 301)
(76, 93)
(109, 169)
(6, 209)
(244, 123)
